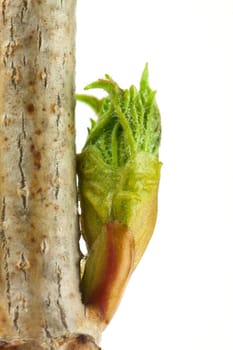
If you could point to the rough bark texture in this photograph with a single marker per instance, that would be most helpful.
(40, 304)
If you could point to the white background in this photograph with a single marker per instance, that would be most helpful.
(181, 295)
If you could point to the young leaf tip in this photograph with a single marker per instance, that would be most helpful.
(145, 77)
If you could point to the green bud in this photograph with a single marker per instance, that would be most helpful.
(119, 167)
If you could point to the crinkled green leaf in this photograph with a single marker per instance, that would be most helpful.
(128, 121)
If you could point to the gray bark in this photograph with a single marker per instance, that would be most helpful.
(40, 304)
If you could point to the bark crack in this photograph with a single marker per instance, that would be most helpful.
(59, 305)
(5, 120)
(14, 75)
(57, 181)
(23, 126)
(57, 175)
(4, 11)
(10, 46)
(12, 30)
(46, 330)
(39, 37)
(58, 113)
(59, 279)
(9, 50)
(24, 61)
(48, 301)
(16, 317)
(23, 181)
(23, 185)
(3, 212)
(24, 9)
(62, 315)
(6, 253)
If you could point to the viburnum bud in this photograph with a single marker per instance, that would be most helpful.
(119, 172)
